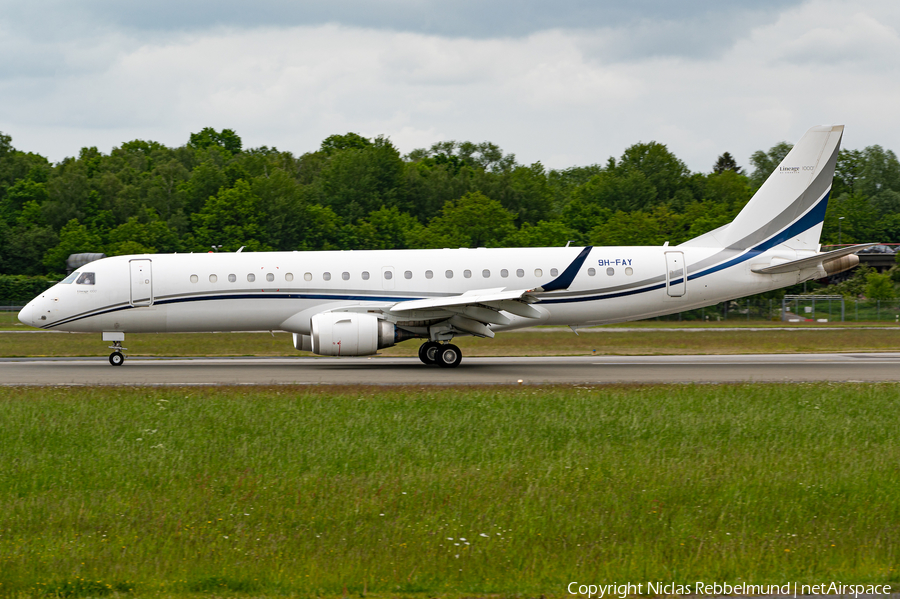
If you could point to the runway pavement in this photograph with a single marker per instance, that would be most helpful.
(397, 371)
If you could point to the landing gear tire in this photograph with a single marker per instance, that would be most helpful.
(117, 358)
(428, 352)
(449, 356)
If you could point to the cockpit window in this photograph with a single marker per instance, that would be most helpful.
(86, 278)
(70, 279)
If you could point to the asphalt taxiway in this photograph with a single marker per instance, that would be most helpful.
(834, 367)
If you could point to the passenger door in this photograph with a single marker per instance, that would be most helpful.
(141, 283)
(676, 277)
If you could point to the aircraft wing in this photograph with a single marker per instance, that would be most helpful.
(470, 298)
(475, 310)
(812, 261)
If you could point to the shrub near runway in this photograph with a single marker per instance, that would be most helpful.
(455, 491)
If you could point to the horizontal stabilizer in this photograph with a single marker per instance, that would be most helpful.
(812, 261)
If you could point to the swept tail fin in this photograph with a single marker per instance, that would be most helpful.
(789, 208)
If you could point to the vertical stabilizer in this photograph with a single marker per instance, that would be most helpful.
(789, 208)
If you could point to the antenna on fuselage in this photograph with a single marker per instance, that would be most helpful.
(241, 249)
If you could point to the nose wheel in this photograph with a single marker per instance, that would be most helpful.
(117, 358)
(445, 355)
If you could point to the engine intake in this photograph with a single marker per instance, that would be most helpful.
(352, 334)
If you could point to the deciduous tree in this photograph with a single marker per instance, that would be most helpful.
(473, 220)
(764, 163)
(226, 138)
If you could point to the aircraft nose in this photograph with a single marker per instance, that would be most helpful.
(26, 314)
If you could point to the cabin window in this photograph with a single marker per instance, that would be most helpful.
(486, 273)
(388, 275)
(307, 276)
(270, 277)
(504, 273)
(629, 271)
(86, 278)
(448, 274)
(610, 271)
(232, 278)
(407, 274)
(251, 277)
(538, 272)
(592, 271)
(194, 278)
(520, 273)
(467, 274)
(429, 274)
(554, 272)
(70, 279)
(213, 278)
(345, 276)
(365, 275)
(326, 276)
(289, 276)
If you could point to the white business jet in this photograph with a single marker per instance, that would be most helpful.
(353, 303)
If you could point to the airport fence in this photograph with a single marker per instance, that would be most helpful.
(794, 309)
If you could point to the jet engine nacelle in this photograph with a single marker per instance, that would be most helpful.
(841, 264)
(350, 334)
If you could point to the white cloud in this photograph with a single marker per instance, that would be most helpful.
(562, 96)
(461, 18)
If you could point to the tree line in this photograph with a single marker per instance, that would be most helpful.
(361, 193)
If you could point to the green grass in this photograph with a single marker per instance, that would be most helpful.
(275, 491)
(524, 343)
(10, 319)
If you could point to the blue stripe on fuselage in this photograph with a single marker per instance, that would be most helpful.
(812, 218)
(807, 221)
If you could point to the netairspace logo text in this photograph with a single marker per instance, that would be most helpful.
(625, 589)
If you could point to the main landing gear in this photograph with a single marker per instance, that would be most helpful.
(445, 355)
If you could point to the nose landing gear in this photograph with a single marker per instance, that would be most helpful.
(117, 357)
(445, 355)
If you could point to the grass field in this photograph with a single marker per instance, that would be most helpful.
(455, 492)
(648, 341)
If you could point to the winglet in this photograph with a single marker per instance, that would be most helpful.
(565, 279)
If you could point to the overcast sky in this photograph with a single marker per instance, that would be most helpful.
(563, 83)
